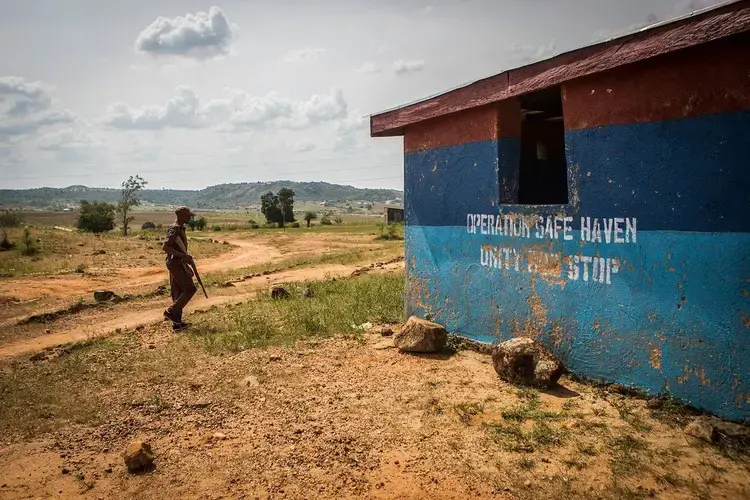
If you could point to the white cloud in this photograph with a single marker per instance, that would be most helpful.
(68, 138)
(202, 35)
(238, 112)
(183, 110)
(26, 107)
(302, 55)
(368, 67)
(428, 9)
(323, 109)
(303, 147)
(348, 130)
(401, 66)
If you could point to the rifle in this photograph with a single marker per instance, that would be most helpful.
(192, 265)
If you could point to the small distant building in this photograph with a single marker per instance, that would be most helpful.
(393, 214)
(597, 202)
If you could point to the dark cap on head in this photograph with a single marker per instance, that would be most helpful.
(185, 210)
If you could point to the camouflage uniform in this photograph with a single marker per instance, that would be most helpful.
(181, 283)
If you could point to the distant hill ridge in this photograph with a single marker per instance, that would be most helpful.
(222, 196)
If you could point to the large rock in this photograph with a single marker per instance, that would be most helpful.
(138, 456)
(712, 429)
(523, 361)
(419, 335)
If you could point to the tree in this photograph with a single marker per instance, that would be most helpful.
(28, 248)
(201, 223)
(278, 208)
(7, 220)
(309, 217)
(269, 206)
(286, 204)
(326, 219)
(96, 217)
(129, 199)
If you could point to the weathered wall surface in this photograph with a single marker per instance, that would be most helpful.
(644, 277)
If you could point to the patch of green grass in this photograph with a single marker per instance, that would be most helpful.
(631, 417)
(545, 435)
(467, 410)
(589, 425)
(336, 307)
(528, 393)
(513, 438)
(530, 410)
(41, 397)
(673, 413)
(627, 455)
(570, 404)
(346, 257)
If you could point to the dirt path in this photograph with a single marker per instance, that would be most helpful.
(67, 287)
(242, 291)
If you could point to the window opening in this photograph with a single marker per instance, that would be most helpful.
(543, 170)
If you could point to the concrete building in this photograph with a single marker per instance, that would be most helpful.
(598, 201)
(393, 214)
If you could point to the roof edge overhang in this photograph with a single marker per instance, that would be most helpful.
(699, 27)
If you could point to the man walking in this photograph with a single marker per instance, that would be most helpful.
(180, 275)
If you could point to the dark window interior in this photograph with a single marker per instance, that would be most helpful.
(543, 175)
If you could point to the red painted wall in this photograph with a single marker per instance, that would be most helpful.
(497, 121)
(711, 78)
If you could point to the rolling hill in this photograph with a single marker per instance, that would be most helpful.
(222, 196)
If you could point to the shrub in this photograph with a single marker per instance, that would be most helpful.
(28, 246)
(216, 228)
(148, 225)
(338, 220)
(96, 217)
(309, 217)
(252, 223)
(294, 225)
(9, 219)
(270, 225)
(254, 226)
(326, 219)
(391, 231)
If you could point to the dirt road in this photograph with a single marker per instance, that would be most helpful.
(85, 329)
(245, 253)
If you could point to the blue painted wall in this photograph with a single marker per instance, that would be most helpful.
(675, 315)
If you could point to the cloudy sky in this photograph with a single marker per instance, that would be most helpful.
(189, 94)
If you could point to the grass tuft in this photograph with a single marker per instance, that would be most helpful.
(627, 455)
(467, 410)
(336, 307)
